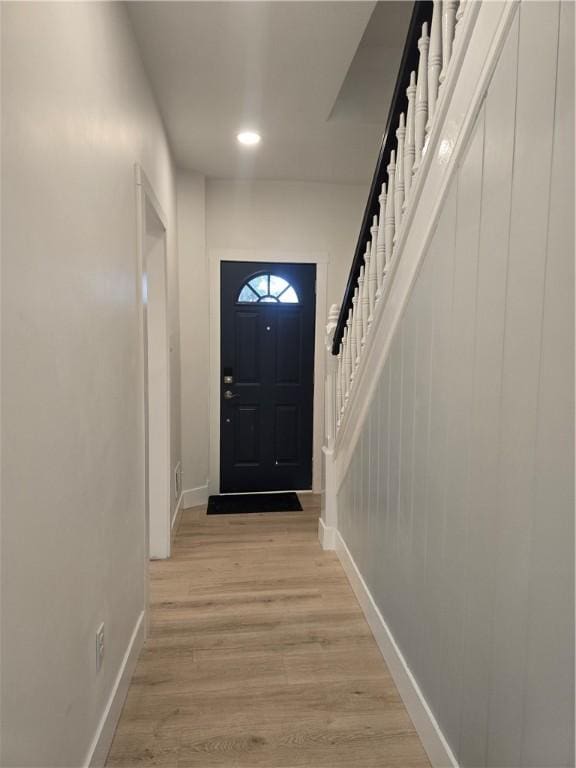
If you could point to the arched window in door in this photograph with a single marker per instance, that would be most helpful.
(268, 288)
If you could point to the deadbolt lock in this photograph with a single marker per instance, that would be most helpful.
(228, 379)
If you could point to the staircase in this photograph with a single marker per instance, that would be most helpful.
(439, 32)
(449, 395)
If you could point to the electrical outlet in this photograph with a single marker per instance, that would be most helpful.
(99, 647)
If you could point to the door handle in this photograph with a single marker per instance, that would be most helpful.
(228, 394)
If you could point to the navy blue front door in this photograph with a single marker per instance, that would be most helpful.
(267, 376)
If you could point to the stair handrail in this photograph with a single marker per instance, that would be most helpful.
(421, 12)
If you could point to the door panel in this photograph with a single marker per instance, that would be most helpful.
(287, 434)
(267, 376)
(246, 435)
(289, 347)
(248, 351)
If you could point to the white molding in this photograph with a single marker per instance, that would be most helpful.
(297, 491)
(261, 254)
(158, 482)
(475, 57)
(321, 260)
(143, 182)
(329, 515)
(432, 738)
(195, 497)
(98, 751)
(326, 535)
(177, 514)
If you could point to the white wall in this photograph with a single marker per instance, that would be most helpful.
(288, 216)
(458, 505)
(77, 114)
(195, 333)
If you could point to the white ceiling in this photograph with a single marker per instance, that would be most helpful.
(314, 78)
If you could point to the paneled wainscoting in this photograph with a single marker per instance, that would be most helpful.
(457, 505)
(259, 655)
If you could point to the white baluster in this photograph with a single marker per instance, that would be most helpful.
(448, 24)
(434, 61)
(421, 108)
(359, 308)
(366, 294)
(381, 246)
(352, 343)
(459, 16)
(373, 271)
(347, 370)
(356, 331)
(389, 223)
(348, 365)
(343, 371)
(338, 376)
(363, 302)
(409, 144)
(339, 385)
(399, 191)
(461, 11)
(366, 297)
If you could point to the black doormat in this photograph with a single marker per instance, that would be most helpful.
(242, 503)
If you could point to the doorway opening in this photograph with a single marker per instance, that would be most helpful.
(267, 376)
(152, 235)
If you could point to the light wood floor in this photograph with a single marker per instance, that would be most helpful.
(258, 655)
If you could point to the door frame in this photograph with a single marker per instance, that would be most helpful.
(157, 473)
(320, 259)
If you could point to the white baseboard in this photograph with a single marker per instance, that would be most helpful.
(102, 740)
(195, 497)
(177, 514)
(431, 736)
(326, 534)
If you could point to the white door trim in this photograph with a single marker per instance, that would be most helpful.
(320, 259)
(156, 483)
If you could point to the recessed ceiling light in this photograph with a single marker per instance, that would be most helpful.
(249, 138)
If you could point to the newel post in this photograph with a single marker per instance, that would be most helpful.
(332, 370)
(334, 364)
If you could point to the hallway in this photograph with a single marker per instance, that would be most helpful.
(259, 655)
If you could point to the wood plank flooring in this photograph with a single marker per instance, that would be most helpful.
(259, 655)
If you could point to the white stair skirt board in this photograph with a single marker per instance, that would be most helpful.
(326, 534)
(432, 738)
(195, 497)
(102, 740)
